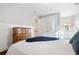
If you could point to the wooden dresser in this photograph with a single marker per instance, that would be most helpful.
(21, 33)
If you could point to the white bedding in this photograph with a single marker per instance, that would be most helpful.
(58, 47)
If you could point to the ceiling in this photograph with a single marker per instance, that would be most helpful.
(8, 5)
(41, 9)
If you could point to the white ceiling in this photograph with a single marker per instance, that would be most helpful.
(8, 5)
(40, 9)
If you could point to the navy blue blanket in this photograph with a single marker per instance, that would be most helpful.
(76, 36)
(75, 43)
(75, 46)
(41, 38)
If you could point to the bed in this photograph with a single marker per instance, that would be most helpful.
(57, 47)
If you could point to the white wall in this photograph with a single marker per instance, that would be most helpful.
(4, 36)
(77, 21)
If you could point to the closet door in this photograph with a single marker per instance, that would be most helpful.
(50, 24)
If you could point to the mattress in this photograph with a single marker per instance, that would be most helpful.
(57, 47)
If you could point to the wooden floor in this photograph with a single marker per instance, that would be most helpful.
(3, 53)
